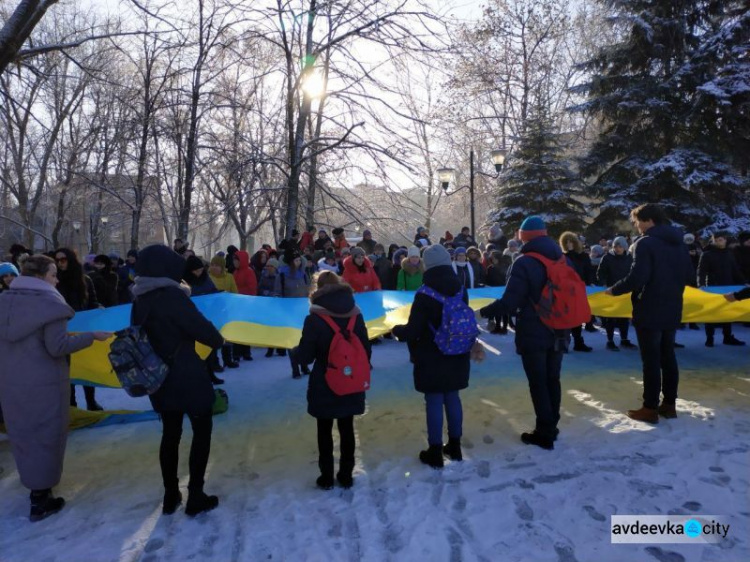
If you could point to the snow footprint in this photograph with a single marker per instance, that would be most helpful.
(665, 555)
(593, 513)
(522, 509)
(483, 469)
(565, 553)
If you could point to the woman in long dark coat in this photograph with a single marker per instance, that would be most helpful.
(78, 290)
(34, 334)
(333, 298)
(173, 323)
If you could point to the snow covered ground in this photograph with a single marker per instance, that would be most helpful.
(506, 501)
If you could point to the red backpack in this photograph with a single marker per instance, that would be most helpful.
(348, 369)
(563, 304)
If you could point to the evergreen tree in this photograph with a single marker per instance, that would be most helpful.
(539, 180)
(660, 138)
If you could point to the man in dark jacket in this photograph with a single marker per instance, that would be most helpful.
(661, 269)
(367, 243)
(440, 377)
(126, 276)
(465, 239)
(615, 265)
(742, 254)
(173, 325)
(717, 267)
(541, 349)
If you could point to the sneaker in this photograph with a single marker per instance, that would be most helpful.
(648, 415)
(627, 344)
(731, 340)
(612, 347)
(667, 410)
(539, 440)
(198, 502)
(43, 504)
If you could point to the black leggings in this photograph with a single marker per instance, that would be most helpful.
(199, 449)
(325, 445)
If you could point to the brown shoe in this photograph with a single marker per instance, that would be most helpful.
(667, 411)
(648, 415)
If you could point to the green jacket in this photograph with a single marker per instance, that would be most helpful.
(409, 277)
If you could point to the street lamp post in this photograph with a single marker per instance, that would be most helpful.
(446, 175)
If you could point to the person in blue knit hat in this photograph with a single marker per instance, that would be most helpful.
(540, 348)
(8, 272)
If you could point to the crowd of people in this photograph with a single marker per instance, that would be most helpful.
(159, 280)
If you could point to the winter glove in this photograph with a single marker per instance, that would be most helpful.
(397, 331)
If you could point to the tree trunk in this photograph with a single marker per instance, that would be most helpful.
(18, 28)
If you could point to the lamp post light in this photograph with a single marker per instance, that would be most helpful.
(446, 175)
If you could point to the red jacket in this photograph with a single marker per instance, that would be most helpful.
(361, 282)
(305, 241)
(247, 283)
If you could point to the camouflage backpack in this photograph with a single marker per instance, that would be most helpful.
(137, 366)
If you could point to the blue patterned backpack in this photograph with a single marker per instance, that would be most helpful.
(458, 329)
(138, 368)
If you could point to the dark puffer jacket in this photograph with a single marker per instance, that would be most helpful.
(173, 325)
(336, 301)
(526, 279)
(433, 371)
(613, 268)
(661, 269)
(581, 262)
(718, 267)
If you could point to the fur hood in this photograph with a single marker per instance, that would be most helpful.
(334, 300)
(410, 269)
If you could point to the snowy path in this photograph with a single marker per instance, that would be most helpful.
(506, 501)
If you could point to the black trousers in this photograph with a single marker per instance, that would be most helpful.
(325, 445)
(88, 391)
(621, 324)
(577, 333)
(543, 372)
(660, 371)
(199, 449)
(726, 330)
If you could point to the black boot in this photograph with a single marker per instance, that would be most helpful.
(539, 440)
(344, 475)
(269, 353)
(281, 352)
(216, 380)
(43, 504)
(325, 480)
(453, 449)
(580, 345)
(433, 456)
(731, 340)
(172, 500)
(198, 502)
(612, 347)
(627, 344)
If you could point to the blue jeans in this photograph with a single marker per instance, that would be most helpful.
(434, 402)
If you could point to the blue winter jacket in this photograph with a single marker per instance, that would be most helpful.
(526, 280)
(661, 269)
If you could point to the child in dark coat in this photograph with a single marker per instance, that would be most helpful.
(440, 377)
(333, 298)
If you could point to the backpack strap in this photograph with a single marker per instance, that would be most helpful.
(430, 292)
(545, 261)
(335, 327)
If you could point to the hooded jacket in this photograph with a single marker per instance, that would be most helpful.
(613, 268)
(247, 282)
(290, 283)
(526, 279)
(661, 270)
(336, 301)
(362, 279)
(257, 264)
(173, 325)
(410, 277)
(201, 285)
(223, 281)
(433, 371)
(718, 267)
(34, 377)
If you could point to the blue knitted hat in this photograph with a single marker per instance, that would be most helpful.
(532, 227)
(7, 268)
